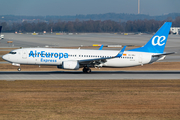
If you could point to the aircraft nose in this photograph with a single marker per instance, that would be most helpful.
(4, 57)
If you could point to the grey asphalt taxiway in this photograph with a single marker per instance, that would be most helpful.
(95, 75)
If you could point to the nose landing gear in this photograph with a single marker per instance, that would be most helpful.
(86, 70)
(19, 69)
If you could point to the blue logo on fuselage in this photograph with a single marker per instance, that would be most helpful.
(44, 54)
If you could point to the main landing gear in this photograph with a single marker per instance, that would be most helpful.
(86, 70)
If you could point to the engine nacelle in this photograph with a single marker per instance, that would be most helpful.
(71, 65)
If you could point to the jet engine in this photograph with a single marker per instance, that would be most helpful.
(71, 65)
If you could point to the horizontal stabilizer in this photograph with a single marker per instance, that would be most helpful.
(163, 54)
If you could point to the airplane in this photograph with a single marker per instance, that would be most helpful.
(73, 59)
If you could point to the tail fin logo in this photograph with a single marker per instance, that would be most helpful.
(158, 40)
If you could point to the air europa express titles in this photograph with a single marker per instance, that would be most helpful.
(45, 54)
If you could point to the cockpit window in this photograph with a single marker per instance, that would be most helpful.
(12, 52)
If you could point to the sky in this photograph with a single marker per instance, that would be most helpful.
(84, 7)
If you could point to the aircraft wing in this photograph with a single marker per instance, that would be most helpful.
(102, 59)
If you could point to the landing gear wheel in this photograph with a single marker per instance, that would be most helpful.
(19, 69)
(86, 70)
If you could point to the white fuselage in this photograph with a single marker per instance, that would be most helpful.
(51, 56)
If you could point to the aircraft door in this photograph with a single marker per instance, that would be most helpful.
(140, 58)
(24, 54)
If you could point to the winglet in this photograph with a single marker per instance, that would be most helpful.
(121, 52)
(101, 47)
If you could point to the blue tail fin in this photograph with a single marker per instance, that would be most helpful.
(158, 42)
